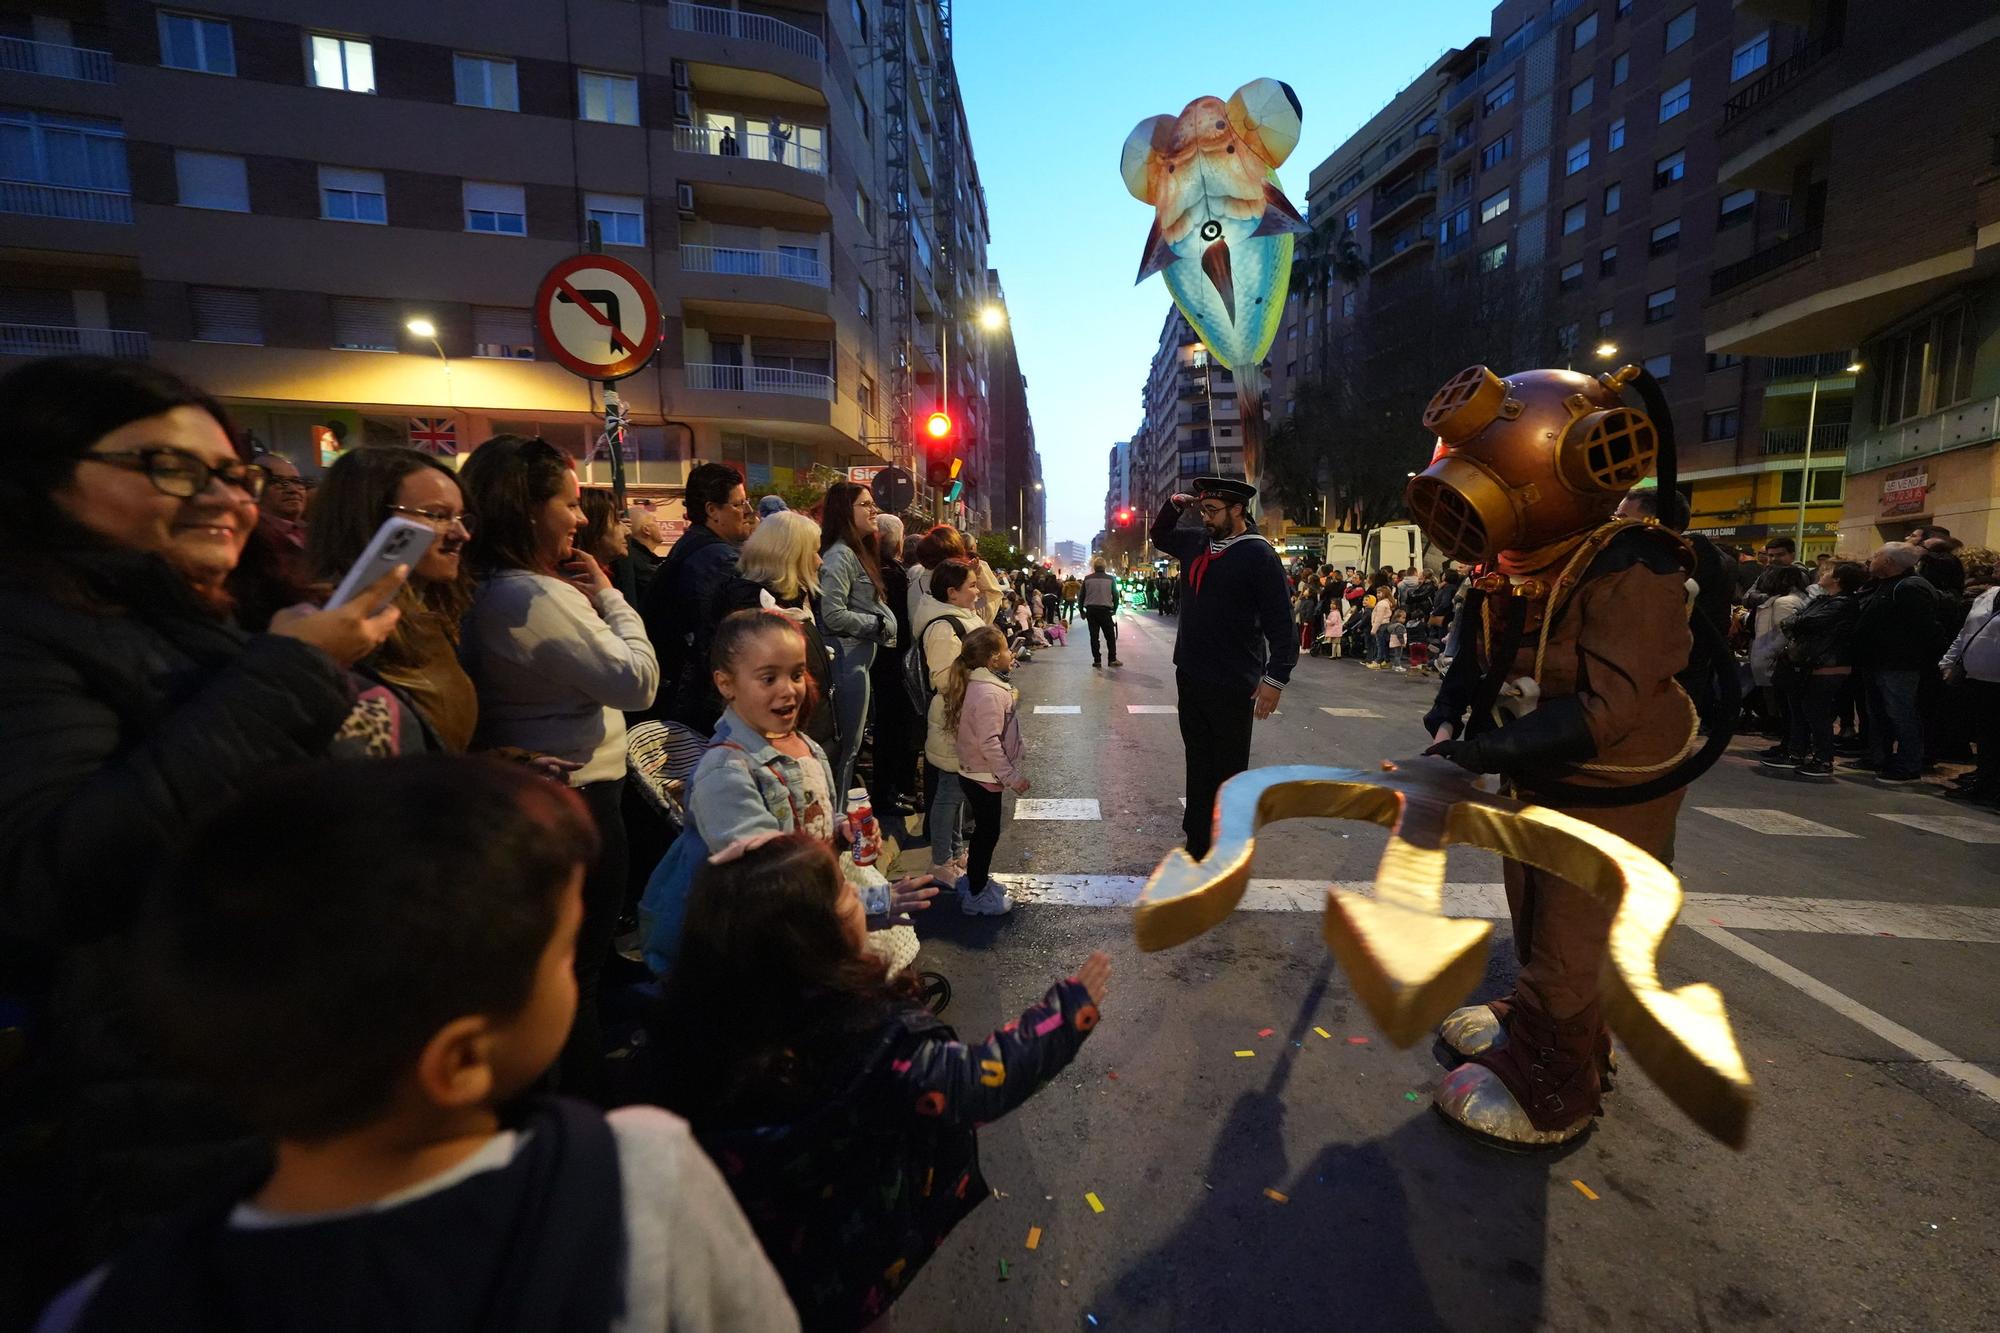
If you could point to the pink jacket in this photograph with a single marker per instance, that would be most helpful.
(989, 733)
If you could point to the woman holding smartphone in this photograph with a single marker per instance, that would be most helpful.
(558, 657)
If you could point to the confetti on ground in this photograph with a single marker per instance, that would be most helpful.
(1276, 1197)
(1409, 1096)
(1324, 1033)
(1096, 1204)
(1034, 1237)
(1265, 1032)
(1585, 1190)
(1245, 1055)
(1357, 1041)
(1112, 1074)
(1092, 1318)
(1003, 1270)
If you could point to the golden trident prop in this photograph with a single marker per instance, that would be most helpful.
(1411, 964)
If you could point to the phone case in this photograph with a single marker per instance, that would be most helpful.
(399, 541)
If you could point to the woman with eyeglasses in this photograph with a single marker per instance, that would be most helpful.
(362, 489)
(133, 709)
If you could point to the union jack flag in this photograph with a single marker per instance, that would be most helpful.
(434, 435)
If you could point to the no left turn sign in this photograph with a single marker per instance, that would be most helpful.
(598, 316)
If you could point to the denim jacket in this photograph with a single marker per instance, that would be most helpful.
(850, 605)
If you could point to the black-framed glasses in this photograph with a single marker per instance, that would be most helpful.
(1212, 511)
(178, 473)
(442, 522)
(299, 484)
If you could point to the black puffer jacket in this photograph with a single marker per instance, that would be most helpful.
(130, 714)
(1822, 633)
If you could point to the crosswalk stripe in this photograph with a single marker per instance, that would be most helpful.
(1058, 708)
(1055, 808)
(1151, 708)
(1961, 827)
(1349, 712)
(1810, 916)
(1775, 823)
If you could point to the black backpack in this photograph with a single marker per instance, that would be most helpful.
(917, 672)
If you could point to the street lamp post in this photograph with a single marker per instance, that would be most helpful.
(990, 317)
(423, 328)
(1805, 469)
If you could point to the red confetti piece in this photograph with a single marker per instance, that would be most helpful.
(1265, 1032)
(1113, 1074)
(1357, 1041)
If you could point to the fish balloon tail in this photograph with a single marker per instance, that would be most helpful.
(1252, 387)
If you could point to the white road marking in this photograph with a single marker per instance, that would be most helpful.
(1776, 823)
(1058, 708)
(1961, 1071)
(1055, 808)
(1151, 708)
(1962, 827)
(1349, 712)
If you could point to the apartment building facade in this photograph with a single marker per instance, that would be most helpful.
(275, 197)
(1192, 423)
(1876, 130)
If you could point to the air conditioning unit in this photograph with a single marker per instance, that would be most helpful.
(684, 105)
(681, 74)
(684, 197)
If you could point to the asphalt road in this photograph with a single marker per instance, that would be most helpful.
(1310, 1186)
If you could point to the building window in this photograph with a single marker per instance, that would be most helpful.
(1925, 369)
(1353, 219)
(1348, 304)
(1493, 205)
(1665, 238)
(1455, 224)
(1736, 207)
(346, 63)
(1750, 57)
(484, 81)
(226, 315)
(1660, 305)
(864, 208)
(1574, 217)
(1607, 261)
(363, 324)
(1614, 138)
(861, 20)
(1493, 258)
(1719, 425)
(1829, 485)
(503, 333)
(1499, 95)
(1571, 277)
(612, 99)
(1493, 154)
(1723, 360)
(348, 195)
(866, 297)
(1580, 94)
(1614, 198)
(500, 210)
(189, 41)
(1659, 367)
(1621, 68)
(1680, 29)
(45, 148)
(620, 218)
(1669, 169)
(1675, 100)
(1577, 158)
(1624, 8)
(864, 394)
(861, 111)
(212, 180)
(1583, 33)
(1603, 319)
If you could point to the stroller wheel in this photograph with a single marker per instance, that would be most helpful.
(935, 992)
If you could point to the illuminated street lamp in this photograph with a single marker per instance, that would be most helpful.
(1607, 349)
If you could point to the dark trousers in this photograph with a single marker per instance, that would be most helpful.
(1810, 701)
(983, 808)
(1215, 731)
(580, 1070)
(1984, 696)
(898, 732)
(1101, 621)
(1895, 731)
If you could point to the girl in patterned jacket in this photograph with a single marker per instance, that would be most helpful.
(841, 1111)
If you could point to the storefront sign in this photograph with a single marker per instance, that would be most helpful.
(865, 474)
(1906, 491)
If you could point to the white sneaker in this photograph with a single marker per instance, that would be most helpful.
(990, 901)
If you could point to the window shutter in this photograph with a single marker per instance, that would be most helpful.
(496, 198)
(226, 315)
(363, 323)
(498, 331)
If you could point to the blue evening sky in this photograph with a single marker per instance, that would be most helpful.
(1051, 89)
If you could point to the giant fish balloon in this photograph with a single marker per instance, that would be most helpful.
(1223, 230)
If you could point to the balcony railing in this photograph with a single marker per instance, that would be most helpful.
(759, 379)
(711, 21)
(1389, 202)
(1821, 365)
(1826, 438)
(61, 340)
(779, 148)
(20, 56)
(63, 201)
(1770, 257)
(1781, 76)
(1968, 423)
(754, 263)
(1505, 58)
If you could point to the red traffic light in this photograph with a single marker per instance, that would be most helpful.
(938, 425)
(1124, 518)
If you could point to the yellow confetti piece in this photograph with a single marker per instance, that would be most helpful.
(1034, 1237)
(1096, 1204)
(1276, 1197)
(1245, 1055)
(1585, 1190)
(1324, 1033)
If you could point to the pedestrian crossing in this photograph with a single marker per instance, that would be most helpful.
(1775, 823)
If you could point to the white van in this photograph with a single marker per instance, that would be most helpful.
(1399, 546)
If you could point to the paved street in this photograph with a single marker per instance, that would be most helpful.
(1854, 932)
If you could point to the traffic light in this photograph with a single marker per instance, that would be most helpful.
(939, 465)
(938, 425)
(1124, 518)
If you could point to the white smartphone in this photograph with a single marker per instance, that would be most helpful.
(399, 541)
